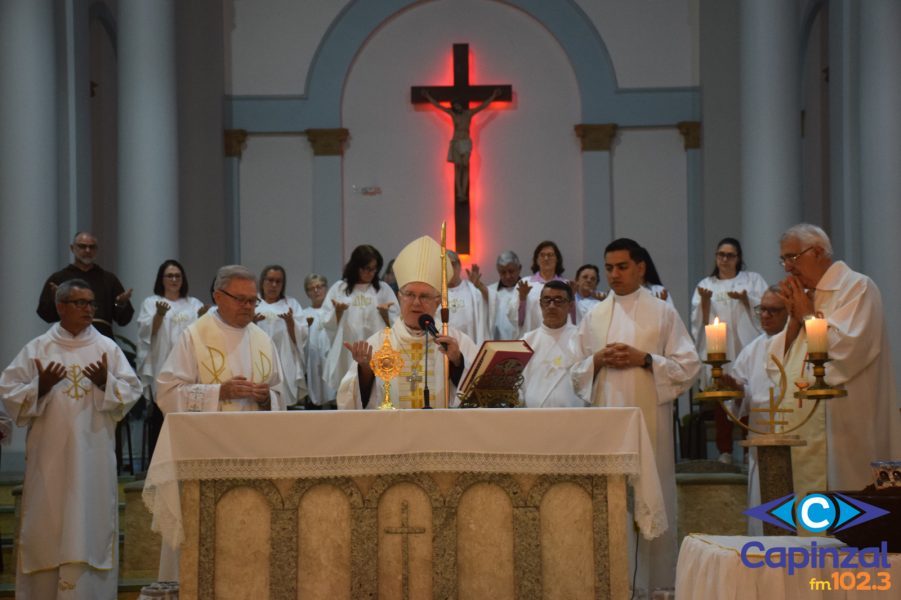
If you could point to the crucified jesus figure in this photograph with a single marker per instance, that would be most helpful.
(460, 147)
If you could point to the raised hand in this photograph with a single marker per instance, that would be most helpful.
(97, 372)
(361, 352)
(49, 376)
(340, 307)
(523, 288)
(162, 308)
(124, 297)
(257, 317)
(383, 311)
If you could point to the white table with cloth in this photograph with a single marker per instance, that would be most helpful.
(465, 476)
(710, 567)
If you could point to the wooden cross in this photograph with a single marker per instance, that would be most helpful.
(461, 93)
(405, 530)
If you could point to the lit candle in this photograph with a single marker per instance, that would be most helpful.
(817, 340)
(716, 337)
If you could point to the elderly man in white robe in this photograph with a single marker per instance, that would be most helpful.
(547, 383)
(418, 272)
(750, 375)
(223, 361)
(70, 387)
(467, 300)
(866, 425)
(639, 354)
(503, 299)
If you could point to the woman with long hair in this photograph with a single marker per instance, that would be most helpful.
(547, 265)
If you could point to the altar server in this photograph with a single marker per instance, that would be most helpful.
(467, 301)
(70, 387)
(639, 354)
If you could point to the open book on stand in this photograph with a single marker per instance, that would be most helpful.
(496, 375)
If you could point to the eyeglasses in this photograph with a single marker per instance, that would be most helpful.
(791, 258)
(172, 275)
(547, 255)
(241, 300)
(82, 303)
(369, 269)
(726, 255)
(555, 300)
(423, 298)
(86, 246)
(759, 310)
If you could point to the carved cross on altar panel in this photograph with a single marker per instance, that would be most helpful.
(461, 94)
(405, 530)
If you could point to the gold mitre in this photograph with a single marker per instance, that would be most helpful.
(420, 260)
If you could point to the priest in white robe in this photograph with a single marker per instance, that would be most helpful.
(418, 272)
(750, 373)
(865, 425)
(223, 362)
(503, 299)
(547, 382)
(639, 353)
(70, 387)
(467, 300)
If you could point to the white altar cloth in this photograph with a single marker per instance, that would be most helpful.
(710, 567)
(574, 441)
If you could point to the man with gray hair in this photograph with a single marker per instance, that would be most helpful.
(865, 425)
(503, 301)
(223, 362)
(70, 387)
(467, 300)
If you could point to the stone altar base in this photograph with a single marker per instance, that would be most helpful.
(406, 536)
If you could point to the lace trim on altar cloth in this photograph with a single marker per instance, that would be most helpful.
(422, 462)
(652, 523)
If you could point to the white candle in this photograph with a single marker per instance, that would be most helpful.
(716, 337)
(817, 339)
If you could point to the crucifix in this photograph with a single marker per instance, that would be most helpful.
(459, 95)
(405, 530)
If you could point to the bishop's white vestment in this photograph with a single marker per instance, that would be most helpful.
(291, 355)
(407, 387)
(547, 379)
(211, 352)
(70, 503)
(865, 425)
(652, 326)
(468, 311)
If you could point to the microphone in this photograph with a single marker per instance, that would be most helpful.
(427, 323)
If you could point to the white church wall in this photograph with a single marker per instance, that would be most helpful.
(526, 163)
(652, 43)
(649, 192)
(276, 201)
(271, 43)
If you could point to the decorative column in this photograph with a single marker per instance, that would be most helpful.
(328, 232)
(235, 142)
(770, 130)
(880, 153)
(148, 142)
(691, 135)
(29, 228)
(597, 191)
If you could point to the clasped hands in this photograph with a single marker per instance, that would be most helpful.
(240, 387)
(55, 372)
(618, 356)
(798, 301)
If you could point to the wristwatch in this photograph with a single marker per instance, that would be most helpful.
(648, 361)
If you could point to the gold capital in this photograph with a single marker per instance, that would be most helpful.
(235, 140)
(327, 142)
(691, 131)
(597, 137)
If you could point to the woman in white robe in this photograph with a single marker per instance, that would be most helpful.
(547, 265)
(162, 318)
(355, 308)
(318, 341)
(729, 294)
(282, 317)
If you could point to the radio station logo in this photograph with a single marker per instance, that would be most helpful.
(816, 513)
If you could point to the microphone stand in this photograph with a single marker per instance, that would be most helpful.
(425, 376)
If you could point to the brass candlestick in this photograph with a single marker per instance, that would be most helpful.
(387, 363)
(820, 390)
(717, 391)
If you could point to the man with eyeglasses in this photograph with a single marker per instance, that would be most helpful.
(749, 374)
(223, 361)
(638, 353)
(418, 272)
(866, 425)
(70, 387)
(547, 382)
(113, 301)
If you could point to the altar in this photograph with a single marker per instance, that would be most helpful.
(513, 503)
